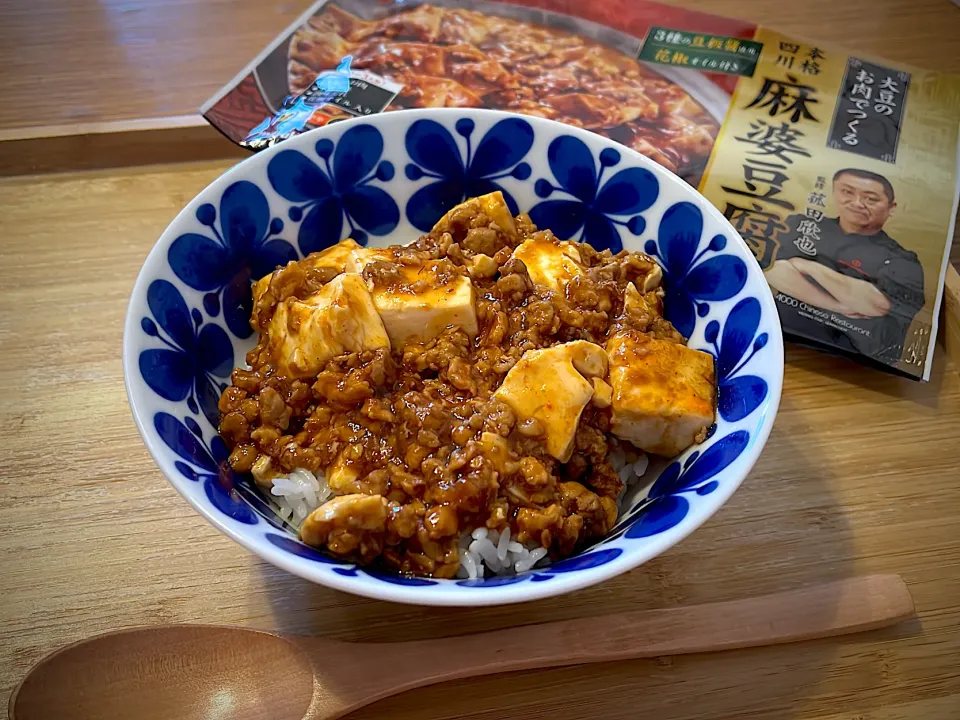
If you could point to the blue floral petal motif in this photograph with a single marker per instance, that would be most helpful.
(719, 278)
(170, 311)
(502, 148)
(629, 192)
(679, 234)
(207, 399)
(680, 308)
(194, 355)
(662, 515)
(372, 209)
(563, 217)
(244, 248)
(739, 395)
(665, 506)
(298, 548)
(496, 581)
(454, 174)
(219, 481)
(271, 255)
(185, 444)
(227, 501)
(337, 191)
(253, 498)
(198, 261)
(738, 332)
(244, 216)
(237, 302)
(571, 163)
(214, 351)
(431, 146)
(169, 373)
(422, 206)
(593, 210)
(188, 472)
(584, 561)
(356, 156)
(322, 227)
(705, 465)
(602, 233)
(400, 579)
(691, 279)
(297, 178)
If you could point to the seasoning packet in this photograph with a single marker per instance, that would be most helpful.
(335, 95)
(840, 171)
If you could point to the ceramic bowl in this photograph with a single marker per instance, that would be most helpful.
(386, 179)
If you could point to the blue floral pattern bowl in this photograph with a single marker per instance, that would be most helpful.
(386, 179)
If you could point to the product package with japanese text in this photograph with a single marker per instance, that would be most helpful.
(840, 171)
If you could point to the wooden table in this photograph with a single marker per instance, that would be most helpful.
(861, 473)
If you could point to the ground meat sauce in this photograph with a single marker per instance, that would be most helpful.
(433, 453)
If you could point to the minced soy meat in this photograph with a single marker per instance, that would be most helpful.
(428, 450)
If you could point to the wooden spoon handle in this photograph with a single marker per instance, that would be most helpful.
(828, 609)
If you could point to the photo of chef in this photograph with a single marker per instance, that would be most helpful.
(852, 284)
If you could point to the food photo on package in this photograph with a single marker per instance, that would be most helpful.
(838, 171)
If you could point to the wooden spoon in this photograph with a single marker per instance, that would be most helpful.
(205, 671)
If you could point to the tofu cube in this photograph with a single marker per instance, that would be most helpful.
(421, 316)
(664, 393)
(334, 257)
(553, 386)
(303, 334)
(415, 300)
(492, 205)
(260, 287)
(341, 474)
(338, 522)
(551, 263)
(360, 257)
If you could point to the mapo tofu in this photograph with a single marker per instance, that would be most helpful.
(471, 385)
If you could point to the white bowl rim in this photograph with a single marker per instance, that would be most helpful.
(560, 584)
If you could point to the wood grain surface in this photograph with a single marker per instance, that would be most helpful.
(81, 61)
(158, 672)
(78, 61)
(74, 71)
(950, 315)
(860, 475)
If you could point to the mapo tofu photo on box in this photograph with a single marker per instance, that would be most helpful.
(839, 172)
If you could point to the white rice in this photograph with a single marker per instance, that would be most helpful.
(630, 465)
(298, 494)
(482, 551)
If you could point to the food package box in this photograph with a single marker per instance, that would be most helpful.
(840, 171)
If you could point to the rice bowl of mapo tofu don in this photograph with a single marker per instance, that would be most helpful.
(455, 357)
